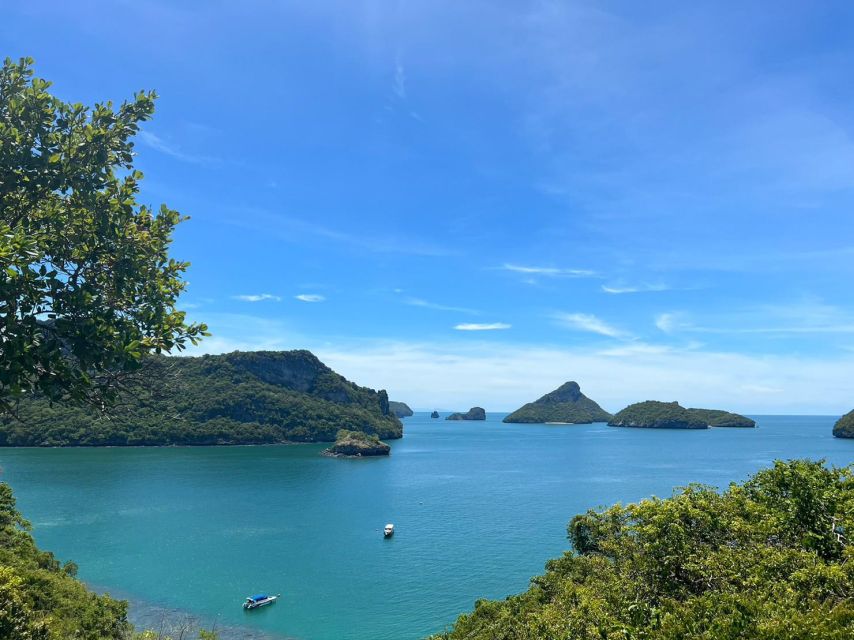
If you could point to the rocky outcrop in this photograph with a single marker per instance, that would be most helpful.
(657, 415)
(844, 427)
(565, 404)
(435, 414)
(400, 409)
(475, 413)
(718, 418)
(356, 444)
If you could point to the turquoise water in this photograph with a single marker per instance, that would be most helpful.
(478, 508)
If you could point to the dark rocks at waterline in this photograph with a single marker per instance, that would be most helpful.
(475, 413)
(435, 414)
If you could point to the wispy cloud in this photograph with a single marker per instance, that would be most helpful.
(257, 297)
(399, 86)
(418, 302)
(640, 288)
(310, 297)
(474, 326)
(550, 272)
(590, 323)
(157, 143)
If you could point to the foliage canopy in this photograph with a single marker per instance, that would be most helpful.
(87, 287)
(766, 560)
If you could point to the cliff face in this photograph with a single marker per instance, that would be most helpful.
(657, 415)
(844, 427)
(475, 413)
(237, 398)
(564, 404)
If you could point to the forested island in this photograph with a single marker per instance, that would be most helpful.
(400, 409)
(260, 397)
(564, 404)
(844, 427)
(762, 560)
(653, 414)
(475, 413)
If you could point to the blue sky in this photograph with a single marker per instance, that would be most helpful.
(472, 202)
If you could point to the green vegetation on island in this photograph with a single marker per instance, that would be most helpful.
(564, 404)
(766, 560)
(718, 418)
(400, 409)
(260, 397)
(844, 427)
(356, 444)
(652, 414)
(475, 413)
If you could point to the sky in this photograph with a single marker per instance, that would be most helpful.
(469, 203)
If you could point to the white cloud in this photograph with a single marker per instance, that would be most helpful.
(503, 377)
(418, 302)
(157, 143)
(257, 297)
(551, 272)
(474, 326)
(399, 86)
(589, 322)
(641, 288)
(667, 322)
(310, 297)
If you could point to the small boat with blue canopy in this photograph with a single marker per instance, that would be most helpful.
(260, 600)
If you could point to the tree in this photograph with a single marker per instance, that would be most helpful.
(87, 287)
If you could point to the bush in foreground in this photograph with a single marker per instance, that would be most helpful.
(765, 560)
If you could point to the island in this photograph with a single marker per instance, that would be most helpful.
(475, 413)
(844, 427)
(566, 404)
(356, 444)
(435, 414)
(400, 409)
(718, 418)
(657, 415)
(256, 397)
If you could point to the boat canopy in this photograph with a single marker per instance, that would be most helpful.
(260, 596)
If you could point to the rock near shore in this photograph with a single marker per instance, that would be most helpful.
(475, 413)
(355, 444)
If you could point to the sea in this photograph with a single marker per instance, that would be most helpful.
(186, 533)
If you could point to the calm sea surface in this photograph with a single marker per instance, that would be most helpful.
(478, 508)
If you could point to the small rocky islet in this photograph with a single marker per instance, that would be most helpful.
(566, 404)
(475, 413)
(356, 444)
(652, 414)
(435, 414)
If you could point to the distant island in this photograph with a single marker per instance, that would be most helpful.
(671, 415)
(657, 415)
(259, 397)
(565, 404)
(718, 418)
(400, 409)
(475, 413)
(844, 427)
(435, 414)
(356, 444)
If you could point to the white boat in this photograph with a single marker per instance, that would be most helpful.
(260, 600)
(388, 531)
